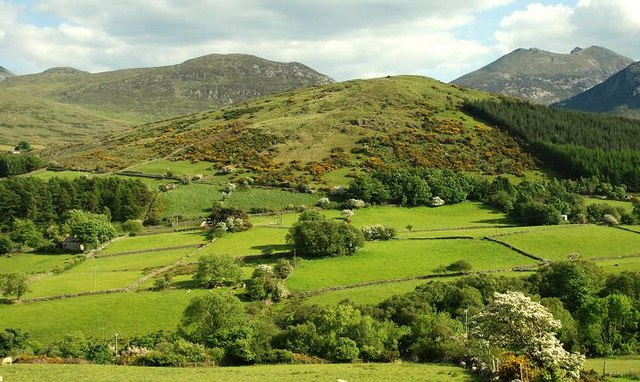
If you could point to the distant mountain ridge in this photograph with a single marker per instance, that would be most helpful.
(620, 94)
(4, 74)
(47, 105)
(545, 77)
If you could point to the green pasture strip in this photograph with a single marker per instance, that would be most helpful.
(86, 281)
(399, 259)
(477, 233)
(620, 265)
(129, 314)
(372, 294)
(170, 239)
(635, 228)
(614, 366)
(31, 262)
(461, 215)
(46, 174)
(271, 199)
(370, 372)
(152, 184)
(105, 273)
(627, 206)
(179, 168)
(191, 200)
(338, 177)
(250, 242)
(590, 241)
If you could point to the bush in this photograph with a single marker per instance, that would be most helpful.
(378, 232)
(133, 227)
(217, 270)
(283, 269)
(459, 266)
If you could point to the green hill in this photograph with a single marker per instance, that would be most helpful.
(545, 77)
(302, 134)
(619, 94)
(67, 104)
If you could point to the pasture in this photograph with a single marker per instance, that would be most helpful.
(190, 200)
(104, 273)
(100, 316)
(32, 262)
(395, 259)
(145, 242)
(178, 168)
(251, 242)
(408, 372)
(620, 367)
(590, 241)
(270, 199)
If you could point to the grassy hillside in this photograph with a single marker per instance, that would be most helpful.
(299, 136)
(64, 105)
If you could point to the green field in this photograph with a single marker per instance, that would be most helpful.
(627, 206)
(31, 262)
(620, 265)
(251, 242)
(372, 294)
(401, 258)
(616, 367)
(589, 241)
(46, 175)
(261, 373)
(461, 215)
(171, 239)
(101, 316)
(271, 199)
(104, 273)
(191, 200)
(179, 168)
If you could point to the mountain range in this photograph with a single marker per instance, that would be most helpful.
(619, 94)
(545, 77)
(68, 105)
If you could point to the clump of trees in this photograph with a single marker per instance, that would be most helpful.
(573, 143)
(316, 236)
(218, 270)
(16, 164)
(14, 284)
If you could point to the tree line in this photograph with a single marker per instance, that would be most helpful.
(46, 202)
(530, 202)
(16, 164)
(542, 323)
(576, 144)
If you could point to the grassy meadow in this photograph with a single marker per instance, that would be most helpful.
(590, 241)
(32, 262)
(370, 372)
(399, 259)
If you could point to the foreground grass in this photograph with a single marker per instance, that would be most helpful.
(101, 316)
(251, 242)
(401, 258)
(264, 373)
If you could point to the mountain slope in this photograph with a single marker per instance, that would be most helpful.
(132, 96)
(620, 94)
(545, 77)
(4, 74)
(300, 135)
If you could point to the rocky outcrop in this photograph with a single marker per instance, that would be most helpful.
(545, 77)
(4, 74)
(620, 94)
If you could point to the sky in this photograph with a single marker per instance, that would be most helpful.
(344, 39)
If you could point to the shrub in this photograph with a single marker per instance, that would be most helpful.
(378, 232)
(459, 266)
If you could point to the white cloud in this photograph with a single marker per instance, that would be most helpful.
(614, 24)
(358, 38)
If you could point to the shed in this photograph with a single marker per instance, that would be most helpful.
(72, 243)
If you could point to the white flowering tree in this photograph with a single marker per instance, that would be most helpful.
(514, 323)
